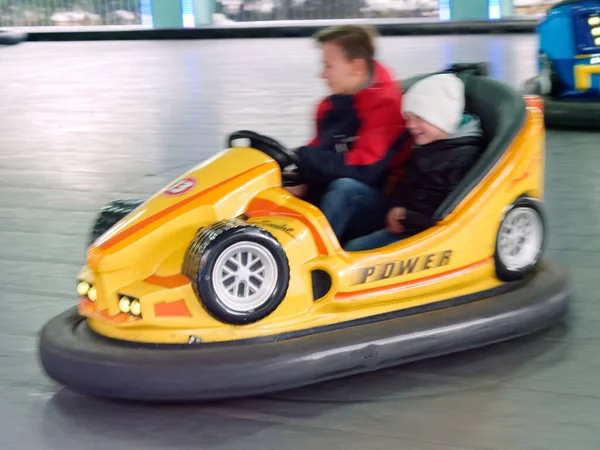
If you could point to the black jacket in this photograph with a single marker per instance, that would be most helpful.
(433, 172)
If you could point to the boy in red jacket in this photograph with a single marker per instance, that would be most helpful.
(359, 143)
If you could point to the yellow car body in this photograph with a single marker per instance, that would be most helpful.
(142, 256)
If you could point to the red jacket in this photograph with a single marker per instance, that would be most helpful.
(360, 136)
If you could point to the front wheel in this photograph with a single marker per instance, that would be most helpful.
(239, 271)
(520, 241)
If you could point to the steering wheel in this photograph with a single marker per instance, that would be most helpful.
(275, 150)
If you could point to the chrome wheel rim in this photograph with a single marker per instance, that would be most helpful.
(520, 238)
(245, 276)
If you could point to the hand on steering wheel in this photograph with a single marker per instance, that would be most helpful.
(275, 150)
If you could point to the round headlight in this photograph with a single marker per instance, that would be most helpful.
(125, 305)
(83, 288)
(92, 294)
(136, 308)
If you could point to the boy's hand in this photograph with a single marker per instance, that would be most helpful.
(299, 190)
(394, 220)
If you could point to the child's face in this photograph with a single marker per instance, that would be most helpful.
(422, 131)
(343, 76)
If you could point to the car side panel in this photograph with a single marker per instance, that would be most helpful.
(556, 36)
(565, 68)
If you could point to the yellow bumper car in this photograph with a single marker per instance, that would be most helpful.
(223, 284)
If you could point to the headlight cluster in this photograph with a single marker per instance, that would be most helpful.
(594, 22)
(85, 289)
(129, 305)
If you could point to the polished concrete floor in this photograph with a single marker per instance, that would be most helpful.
(84, 123)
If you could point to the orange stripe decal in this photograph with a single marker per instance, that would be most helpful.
(260, 208)
(114, 240)
(171, 282)
(524, 175)
(87, 308)
(365, 293)
(174, 309)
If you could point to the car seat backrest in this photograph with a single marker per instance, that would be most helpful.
(502, 112)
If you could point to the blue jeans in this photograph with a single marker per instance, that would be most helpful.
(353, 208)
(377, 239)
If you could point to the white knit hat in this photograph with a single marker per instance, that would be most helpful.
(437, 99)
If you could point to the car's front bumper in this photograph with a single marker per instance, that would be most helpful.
(77, 357)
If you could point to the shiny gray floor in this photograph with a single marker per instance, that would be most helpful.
(83, 123)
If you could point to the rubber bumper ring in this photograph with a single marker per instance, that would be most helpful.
(575, 114)
(9, 37)
(72, 354)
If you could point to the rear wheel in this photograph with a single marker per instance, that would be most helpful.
(520, 241)
(111, 214)
(239, 271)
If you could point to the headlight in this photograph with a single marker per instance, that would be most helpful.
(128, 305)
(85, 289)
(594, 20)
(136, 308)
(125, 305)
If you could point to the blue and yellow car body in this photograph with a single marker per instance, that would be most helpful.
(569, 41)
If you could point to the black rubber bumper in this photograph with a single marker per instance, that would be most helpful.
(76, 357)
(566, 114)
(8, 37)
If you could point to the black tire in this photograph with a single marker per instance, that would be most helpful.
(207, 249)
(505, 270)
(111, 214)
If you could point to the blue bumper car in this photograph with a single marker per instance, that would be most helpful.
(569, 65)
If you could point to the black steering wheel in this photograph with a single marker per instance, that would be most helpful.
(274, 149)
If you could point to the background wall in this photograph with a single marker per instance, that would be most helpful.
(190, 13)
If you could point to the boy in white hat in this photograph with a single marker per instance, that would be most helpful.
(447, 142)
